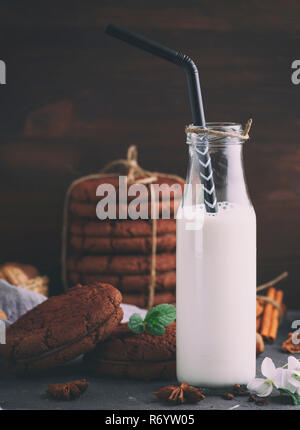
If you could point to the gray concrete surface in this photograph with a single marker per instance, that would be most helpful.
(107, 393)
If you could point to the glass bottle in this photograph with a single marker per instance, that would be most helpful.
(216, 268)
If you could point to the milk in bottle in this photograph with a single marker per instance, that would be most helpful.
(216, 270)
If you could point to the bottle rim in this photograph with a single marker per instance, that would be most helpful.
(233, 128)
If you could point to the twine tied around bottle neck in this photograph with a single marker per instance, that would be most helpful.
(243, 136)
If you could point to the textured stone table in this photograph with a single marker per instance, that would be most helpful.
(28, 393)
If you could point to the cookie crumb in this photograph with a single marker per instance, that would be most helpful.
(228, 396)
(239, 390)
(68, 391)
(252, 398)
(259, 401)
(262, 401)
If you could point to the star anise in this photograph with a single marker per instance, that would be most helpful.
(183, 393)
(67, 391)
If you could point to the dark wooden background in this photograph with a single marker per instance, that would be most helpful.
(76, 99)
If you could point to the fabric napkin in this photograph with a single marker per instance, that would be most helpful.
(16, 301)
(131, 309)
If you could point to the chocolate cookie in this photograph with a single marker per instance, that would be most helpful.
(121, 228)
(62, 328)
(137, 356)
(120, 264)
(141, 300)
(85, 191)
(122, 245)
(128, 283)
(88, 210)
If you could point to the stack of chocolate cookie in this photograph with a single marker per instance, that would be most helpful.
(119, 251)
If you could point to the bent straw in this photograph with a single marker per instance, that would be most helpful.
(195, 98)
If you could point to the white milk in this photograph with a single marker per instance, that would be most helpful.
(216, 296)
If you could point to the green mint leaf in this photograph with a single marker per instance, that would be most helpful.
(155, 328)
(167, 315)
(296, 376)
(155, 321)
(136, 324)
(294, 396)
(163, 314)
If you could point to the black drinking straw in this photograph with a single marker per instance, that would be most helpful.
(195, 97)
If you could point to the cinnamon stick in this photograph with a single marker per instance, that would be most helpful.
(275, 316)
(267, 316)
(270, 318)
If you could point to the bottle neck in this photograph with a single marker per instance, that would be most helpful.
(228, 172)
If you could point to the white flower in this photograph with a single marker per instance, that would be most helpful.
(294, 374)
(263, 387)
(283, 378)
(268, 368)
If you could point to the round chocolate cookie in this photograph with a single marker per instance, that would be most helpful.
(62, 328)
(137, 356)
(120, 264)
(121, 245)
(129, 283)
(121, 228)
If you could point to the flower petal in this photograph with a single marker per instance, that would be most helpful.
(293, 363)
(291, 388)
(279, 377)
(261, 387)
(285, 379)
(293, 382)
(268, 368)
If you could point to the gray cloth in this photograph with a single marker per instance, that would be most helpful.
(131, 309)
(16, 301)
